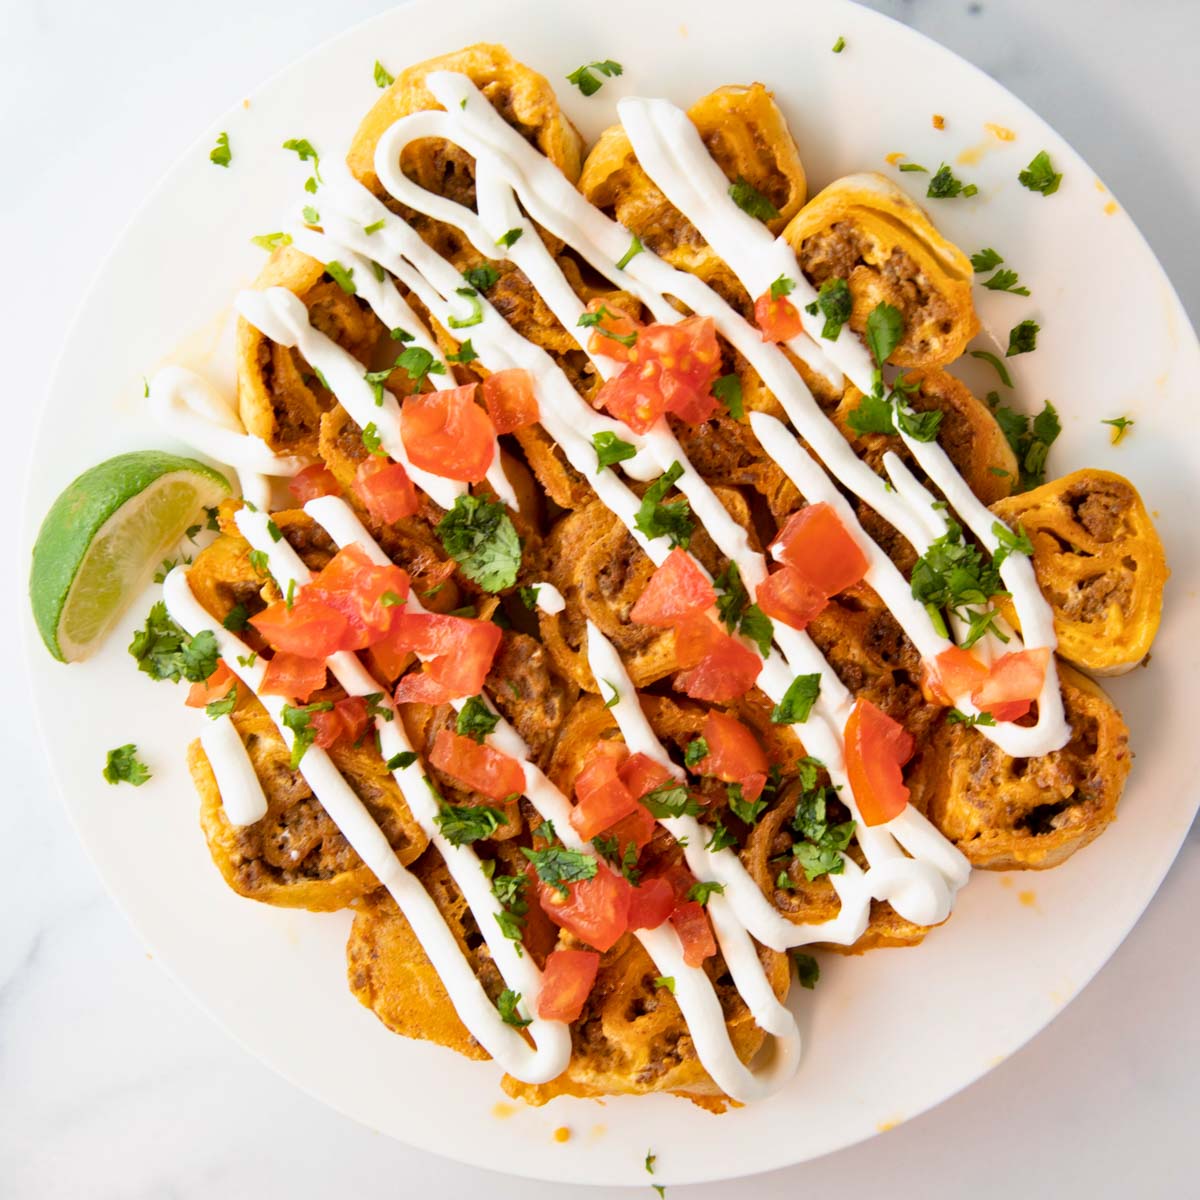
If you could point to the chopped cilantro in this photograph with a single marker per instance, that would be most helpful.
(259, 561)
(783, 286)
(819, 853)
(952, 574)
(304, 151)
(164, 651)
(920, 426)
(122, 765)
(656, 519)
(697, 751)
(610, 450)
(299, 720)
(482, 278)
(635, 248)
(342, 276)
(224, 706)
(1005, 281)
(839, 45)
(807, 970)
(702, 890)
(510, 236)
(383, 77)
(476, 316)
(398, 762)
(985, 260)
(591, 320)
(374, 227)
(310, 215)
(416, 362)
(955, 716)
(558, 866)
(272, 241)
(1119, 426)
(998, 363)
(835, 304)
(797, 701)
(944, 186)
(462, 824)
(507, 1004)
(912, 166)
(721, 838)
(1022, 338)
(885, 331)
(370, 439)
(668, 982)
(611, 702)
(586, 82)
(751, 201)
(671, 799)
(1040, 175)
(728, 389)
(220, 153)
(745, 810)
(466, 354)
(475, 719)
(479, 535)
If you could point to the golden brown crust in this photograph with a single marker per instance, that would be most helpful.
(1099, 563)
(1033, 813)
(865, 230)
(295, 856)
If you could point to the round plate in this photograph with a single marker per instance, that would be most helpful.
(888, 1034)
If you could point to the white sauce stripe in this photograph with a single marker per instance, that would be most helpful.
(242, 796)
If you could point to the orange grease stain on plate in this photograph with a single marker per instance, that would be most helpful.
(598, 1131)
(562, 1134)
(502, 1111)
(891, 1123)
(1028, 898)
(1006, 881)
(939, 122)
(893, 158)
(1110, 208)
(998, 135)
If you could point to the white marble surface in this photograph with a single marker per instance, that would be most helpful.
(112, 1083)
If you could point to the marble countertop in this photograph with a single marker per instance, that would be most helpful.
(112, 1082)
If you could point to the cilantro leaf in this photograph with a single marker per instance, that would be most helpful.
(1040, 175)
(835, 303)
(656, 519)
(224, 706)
(416, 362)
(721, 838)
(1005, 281)
(466, 354)
(696, 752)
(751, 201)
(164, 651)
(586, 82)
(998, 363)
(462, 824)
(591, 320)
(383, 77)
(1119, 426)
(342, 276)
(482, 278)
(471, 294)
(299, 720)
(476, 720)
(479, 535)
(123, 766)
(873, 415)
(985, 260)
(702, 890)
(944, 186)
(671, 799)
(398, 762)
(885, 331)
(797, 701)
(807, 970)
(745, 810)
(728, 389)
(920, 426)
(610, 450)
(1022, 338)
(955, 717)
(757, 626)
(509, 237)
(558, 866)
(507, 1003)
(783, 286)
(220, 154)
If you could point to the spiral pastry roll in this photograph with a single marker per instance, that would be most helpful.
(1100, 565)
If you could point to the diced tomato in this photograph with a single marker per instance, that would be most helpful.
(651, 904)
(312, 482)
(293, 677)
(718, 668)
(419, 687)
(672, 369)
(752, 785)
(785, 595)
(309, 629)
(955, 672)
(510, 401)
(1013, 683)
(679, 879)
(691, 923)
(595, 910)
(448, 434)
(820, 547)
(634, 830)
(385, 489)
(477, 767)
(641, 774)
(876, 748)
(677, 589)
(617, 321)
(778, 320)
(601, 798)
(460, 649)
(567, 982)
(215, 687)
(540, 934)
(733, 751)
(346, 722)
(369, 595)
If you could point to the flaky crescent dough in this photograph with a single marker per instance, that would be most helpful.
(865, 230)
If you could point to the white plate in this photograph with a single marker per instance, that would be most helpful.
(888, 1035)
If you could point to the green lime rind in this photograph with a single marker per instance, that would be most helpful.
(85, 570)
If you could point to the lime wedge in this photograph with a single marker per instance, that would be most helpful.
(103, 538)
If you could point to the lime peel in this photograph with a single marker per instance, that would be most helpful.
(103, 538)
